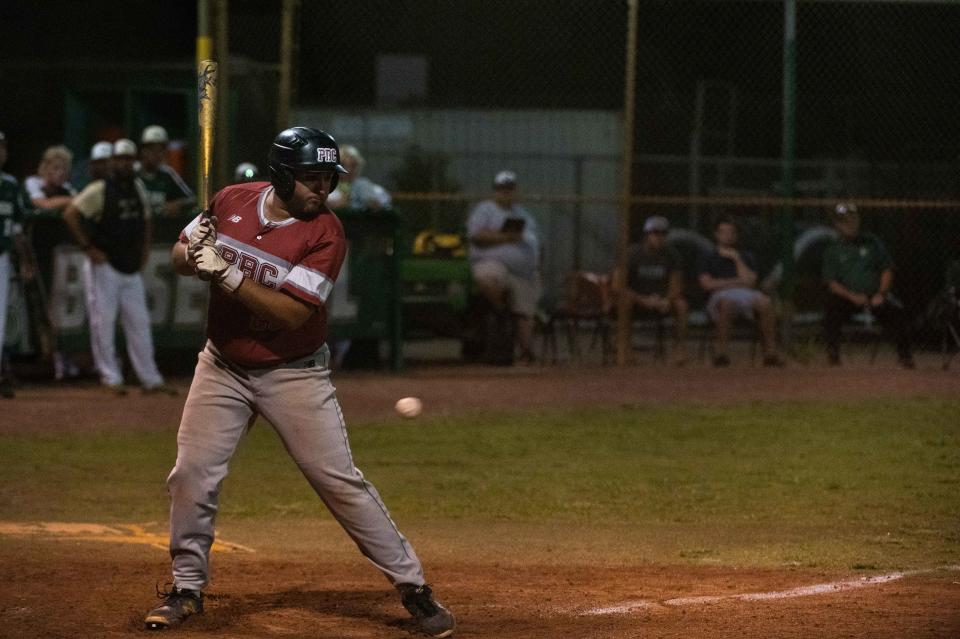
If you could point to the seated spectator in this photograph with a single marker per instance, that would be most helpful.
(49, 188)
(655, 282)
(729, 276)
(169, 194)
(858, 272)
(505, 258)
(355, 191)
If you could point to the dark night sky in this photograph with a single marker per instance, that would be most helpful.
(877, 80)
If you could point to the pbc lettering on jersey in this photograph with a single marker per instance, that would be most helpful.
(327, 155)
(257, 270)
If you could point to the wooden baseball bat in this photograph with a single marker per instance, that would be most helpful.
(207, 112)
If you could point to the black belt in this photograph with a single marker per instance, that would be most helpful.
(304, 362)
(227, 366)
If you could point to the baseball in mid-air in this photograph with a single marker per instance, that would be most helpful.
(409, 407)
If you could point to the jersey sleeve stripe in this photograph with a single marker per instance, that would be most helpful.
(310, 282)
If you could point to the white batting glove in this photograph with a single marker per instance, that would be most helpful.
(210, 266)
(203, 234)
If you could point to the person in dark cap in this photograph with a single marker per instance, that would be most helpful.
(655, 282)
(858, 272)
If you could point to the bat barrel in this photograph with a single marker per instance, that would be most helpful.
(207, 113)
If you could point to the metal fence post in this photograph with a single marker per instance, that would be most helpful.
(788, 169)
(629, 97)
(789, 149)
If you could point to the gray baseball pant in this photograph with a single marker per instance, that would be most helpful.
(300, 401)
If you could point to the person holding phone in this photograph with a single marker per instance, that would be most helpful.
(505, 258)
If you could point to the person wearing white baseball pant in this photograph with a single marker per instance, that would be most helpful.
(107, 292)
(111, 221)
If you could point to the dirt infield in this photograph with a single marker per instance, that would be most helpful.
(305, 579)
(54, 589)
(447, 390)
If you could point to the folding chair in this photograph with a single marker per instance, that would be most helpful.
(657, 324)
(864, 327)
(585, 304)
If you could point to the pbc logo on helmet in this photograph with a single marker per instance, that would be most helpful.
(327, 155)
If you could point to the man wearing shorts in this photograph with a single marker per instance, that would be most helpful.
(505, 258)
(729, 276)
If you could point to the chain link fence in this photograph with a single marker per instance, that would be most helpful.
(440, 96)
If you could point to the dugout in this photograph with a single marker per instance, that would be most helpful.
(364, 304)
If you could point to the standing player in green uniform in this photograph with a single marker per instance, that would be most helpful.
(11, 218)
(169, 194)
(858, 272)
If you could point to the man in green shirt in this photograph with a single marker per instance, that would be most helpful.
(858, 272)
(169, 194)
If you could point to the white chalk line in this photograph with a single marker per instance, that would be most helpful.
(802, 591)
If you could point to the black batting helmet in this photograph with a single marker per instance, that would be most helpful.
(302, 147)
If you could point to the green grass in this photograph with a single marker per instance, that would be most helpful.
(885, 472)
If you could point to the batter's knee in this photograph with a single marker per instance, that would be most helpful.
(193, 483)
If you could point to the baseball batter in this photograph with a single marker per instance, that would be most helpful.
(272, 256)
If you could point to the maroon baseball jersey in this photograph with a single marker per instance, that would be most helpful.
(300, 258)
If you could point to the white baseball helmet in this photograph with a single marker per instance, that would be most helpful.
(154, 134)
(246, 172)
(124, 147)
(101, 151)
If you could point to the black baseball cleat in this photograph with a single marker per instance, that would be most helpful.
(434, 619)
(178, 604)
